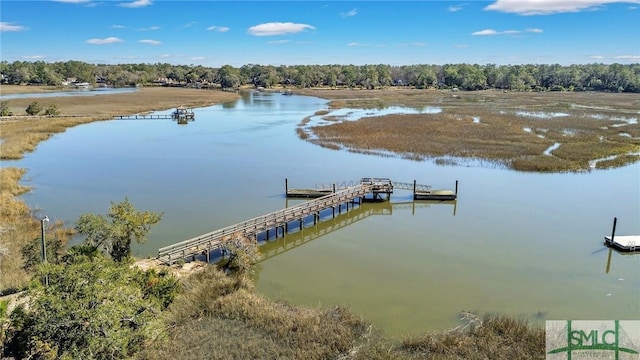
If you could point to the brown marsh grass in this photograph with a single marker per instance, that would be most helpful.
(220, 317)
(511, 128)
(494, 337)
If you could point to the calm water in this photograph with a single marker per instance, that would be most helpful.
(516, 243)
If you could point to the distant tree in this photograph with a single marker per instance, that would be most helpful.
(34, 108)
(228, 77)
(52, 110)
(113, 233)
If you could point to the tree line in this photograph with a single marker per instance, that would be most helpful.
(532, 77)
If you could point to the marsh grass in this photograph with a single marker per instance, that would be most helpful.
(586, 125)
(495, 337)
(220, 317)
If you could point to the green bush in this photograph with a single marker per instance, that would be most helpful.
(4, 109)
(34, 108)
(52, 110)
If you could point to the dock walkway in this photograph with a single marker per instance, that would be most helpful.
(276, 220)
(323, 198)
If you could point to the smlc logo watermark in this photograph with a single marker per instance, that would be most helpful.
(592, 339)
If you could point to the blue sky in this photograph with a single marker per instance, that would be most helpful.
(216, 33)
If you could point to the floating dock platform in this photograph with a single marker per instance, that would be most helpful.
(435, 195)
(628, 243)
(624, 243)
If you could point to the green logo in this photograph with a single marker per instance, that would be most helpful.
(590, 340)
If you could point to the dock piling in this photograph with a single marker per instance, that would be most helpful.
(456, 187)
(613, 231)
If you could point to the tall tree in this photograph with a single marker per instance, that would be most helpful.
(114, 232)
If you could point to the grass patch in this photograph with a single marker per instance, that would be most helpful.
(494, 337)
(220, 317)
(513, 129)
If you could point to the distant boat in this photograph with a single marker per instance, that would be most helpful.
(287, 92)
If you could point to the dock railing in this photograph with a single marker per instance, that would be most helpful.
(212, 240)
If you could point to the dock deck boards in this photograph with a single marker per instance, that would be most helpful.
(624, 242)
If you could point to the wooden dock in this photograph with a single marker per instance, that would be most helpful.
(425, 192)
(181, 114)
(278, 221)
(323, 198)
(143, 117)
(627, 243)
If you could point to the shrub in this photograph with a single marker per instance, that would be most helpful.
(4, 109)
(34, 108)
(52, 110)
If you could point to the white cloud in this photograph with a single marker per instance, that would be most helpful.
(596, 57)
(628, 57)
(485, 32)
(164, 56)
(461, 46)
(150, 28)
(197, 58)
(5, 26)
(136, 4)
(34, 57)
(118, 27)
(278, 28)
(455, 8)
(278, 42)
(109, 40)
(73, 1)
(357, 44)
(546, 7)
(218, 28)
(352, 12)
(150, 42)
(490, 32)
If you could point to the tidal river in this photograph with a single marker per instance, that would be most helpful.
(523, 244)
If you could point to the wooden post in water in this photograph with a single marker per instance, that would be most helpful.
(456, 187)
(414, 188)
(334, 188)
(286, 187)
(613, 231)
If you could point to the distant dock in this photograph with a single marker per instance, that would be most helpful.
(627, 243)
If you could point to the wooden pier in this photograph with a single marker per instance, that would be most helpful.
(143, 117)
(181, 115)
(278, 222)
